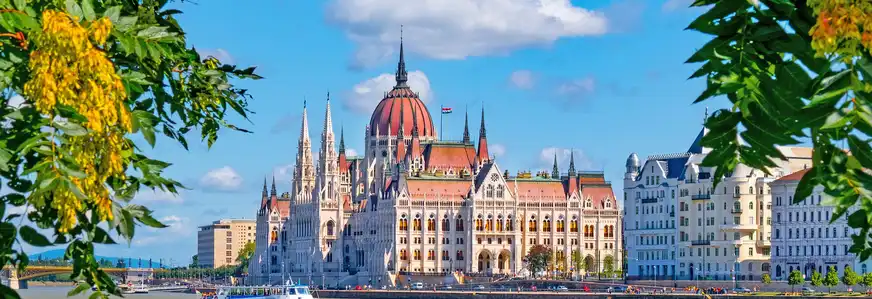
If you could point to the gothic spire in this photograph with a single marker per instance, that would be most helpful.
(572, 163)
(402, 76)
(265, 194)
(555, 172)
(272, 191)
(483, 155)
(341, 140)
(466, 129)
(482, 132)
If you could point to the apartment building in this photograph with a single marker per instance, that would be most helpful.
(219, 243)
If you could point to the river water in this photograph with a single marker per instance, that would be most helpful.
(61, 292)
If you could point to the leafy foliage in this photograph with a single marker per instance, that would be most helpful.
(67, 155)
(244, 256)
(766, 279)
(793, 70)
(608, 264)
(832, 278)
(538, 258)
(850, 278)
(817, 279)
(795, 278)
(866, 281)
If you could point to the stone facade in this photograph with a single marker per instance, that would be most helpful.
(678, 226)
(415, 206)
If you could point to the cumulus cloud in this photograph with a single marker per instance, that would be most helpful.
(458, 29)
(222, 55)
(350, 152)
(365, 95)
(522, 79)
(546, 159)
(221, 179)
(157, 196)
(284, 173)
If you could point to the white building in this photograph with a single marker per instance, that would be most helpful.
(678, 226)
(804, 238)
(415, 207)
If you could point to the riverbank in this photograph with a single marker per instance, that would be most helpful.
(425, 294)
(31, 283)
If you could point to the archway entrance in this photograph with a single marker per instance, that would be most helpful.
(484, 262)
(589, 264)
(503, 262)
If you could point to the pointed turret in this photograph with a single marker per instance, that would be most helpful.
(401, 143)
(272, 190)
(401, 75)
(466, 129)
(343, 159)
(555, 172)
(415, 146)
(328, 172)
(304, 170)
(482, 155)
(265, 194)
(571, 163)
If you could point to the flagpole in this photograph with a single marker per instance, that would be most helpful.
(441, 114)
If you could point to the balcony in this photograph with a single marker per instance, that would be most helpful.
(736, 210)
(701, 197)
(700, 242)
(764, 243)
(738, 227)
(649, 200)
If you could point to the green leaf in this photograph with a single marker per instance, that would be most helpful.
(74, 9)
(126, 226)
(88, 10)
(33, 237)
(71, 128)
(858, 219)
(806, 185)
(113, 13)
(101, 236)
(8, 293)
(142, 121)
(861, 150)
(83, 286)
(5, 156)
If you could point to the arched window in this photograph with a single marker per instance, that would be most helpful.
(404, 255)
(458, 224)
(546, 224)
(446, 225)
(431, 223)
(330, 226)
(416, 223)
(500, 191)
(479, 223)
(499, 223)
(510, 225)
(561, 225)
(532, 224)
(489, 225)
(751, 190)
(490, 191)
(737, 190)
(404, 223)
(573, 225)
(417, 255)
(750, 205)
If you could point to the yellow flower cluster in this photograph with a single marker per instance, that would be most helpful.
(843, 27)
(68, 68)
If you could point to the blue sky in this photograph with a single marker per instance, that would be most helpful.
(605, 78)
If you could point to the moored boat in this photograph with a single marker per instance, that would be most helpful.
(286, 291)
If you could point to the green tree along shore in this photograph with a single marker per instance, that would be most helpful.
(793, 70)
(67, 154)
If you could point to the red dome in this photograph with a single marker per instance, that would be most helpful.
(401, 101)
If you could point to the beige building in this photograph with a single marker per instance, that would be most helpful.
(679, 226)
(219, 243)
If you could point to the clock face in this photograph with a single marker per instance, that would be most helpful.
(495, 177)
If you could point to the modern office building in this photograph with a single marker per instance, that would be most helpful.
(219, 243)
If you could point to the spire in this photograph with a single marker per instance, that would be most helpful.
(304, 128)
(466, 128)
(402, 76)
(272, 191)
(342, 140)
(555, 172)
(265, 194)
(572, 163)
(482, 155)
(401, 143)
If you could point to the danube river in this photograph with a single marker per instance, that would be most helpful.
(61, 292)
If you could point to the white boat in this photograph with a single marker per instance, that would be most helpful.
(287, 291)
(140, 289)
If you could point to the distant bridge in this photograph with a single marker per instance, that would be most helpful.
(18, 279)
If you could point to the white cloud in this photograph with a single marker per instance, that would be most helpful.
(283, 173)
(672, 5)
(546, 159)
(577, 87)
(456, 29)
(177, 227)
(221, 179)
(497, 150)
(222, 55)
(157, 195)
(365, 95)
(350, 152)
(522, 79)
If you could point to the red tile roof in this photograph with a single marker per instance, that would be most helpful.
(532, 190)
(430, 188)
(444, 156)
(598, 195)
(796, 176)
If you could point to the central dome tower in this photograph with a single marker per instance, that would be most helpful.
(401, 101)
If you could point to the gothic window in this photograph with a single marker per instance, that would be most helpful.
(573, 225)
(479, 223)
(458, 224)
(404, 255)
(500, 223)
(490, 191)
(416, 223)
(532, 224)
(500, 191)
(431, 223)
(330, 227)
(546, 224)
(404, 223)
(609, 202)
(588, 203)
(446, 225)
(489, 225)
(417, 255)
(561, 225)
(510, 224)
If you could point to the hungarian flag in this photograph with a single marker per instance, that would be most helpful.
(446, 110)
